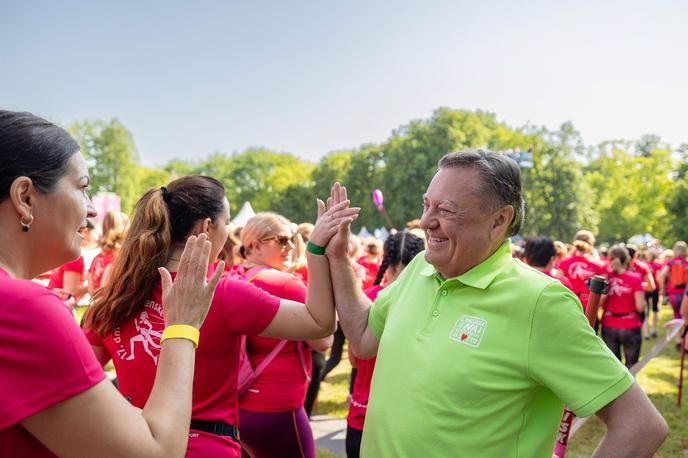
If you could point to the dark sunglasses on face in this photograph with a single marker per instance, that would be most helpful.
(283, 240)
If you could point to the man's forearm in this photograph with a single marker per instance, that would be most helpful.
(352, 305)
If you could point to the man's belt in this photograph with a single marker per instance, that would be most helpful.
(216, 427)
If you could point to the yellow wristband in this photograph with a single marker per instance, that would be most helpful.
(181, 331)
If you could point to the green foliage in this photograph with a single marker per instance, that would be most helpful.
(630, 191)
(618, 188)
(110, 151)
(256, 175)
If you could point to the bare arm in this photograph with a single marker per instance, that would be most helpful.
(684, 308)
(100, 422)
(321, 345)
(353, 307)
(317, 319)
(71, 282)
(640, 304)
(352, 304)
(634, 426)
(649, 283)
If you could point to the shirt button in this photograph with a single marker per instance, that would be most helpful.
(435, 312)
(444, 292)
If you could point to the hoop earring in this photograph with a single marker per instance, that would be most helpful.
(26, 226)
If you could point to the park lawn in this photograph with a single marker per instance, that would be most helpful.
(658, 379)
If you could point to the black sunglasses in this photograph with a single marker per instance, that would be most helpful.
(281, 239)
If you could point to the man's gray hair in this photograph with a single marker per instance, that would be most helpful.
(501, 180)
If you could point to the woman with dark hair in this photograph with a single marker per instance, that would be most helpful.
(399, 249)
(54, 397)
(622, 306)
(539, 253)
(124, 321)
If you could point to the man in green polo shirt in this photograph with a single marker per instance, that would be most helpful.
(477, 352)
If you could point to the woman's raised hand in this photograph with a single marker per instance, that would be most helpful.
(186, 300)
(332, 226)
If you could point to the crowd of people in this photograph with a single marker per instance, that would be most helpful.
(272, 298)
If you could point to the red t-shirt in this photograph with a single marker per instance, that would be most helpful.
(302, 273)
(282, 385)
(98, 266)
(238, 308)
(578, 269)
(358, 405)
(655, 267)
(371, 269)
(44, 360)
(619, 307)
(57, 275)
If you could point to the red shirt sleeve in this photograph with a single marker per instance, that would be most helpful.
(75, 266)
(247, 309)
(44, 356)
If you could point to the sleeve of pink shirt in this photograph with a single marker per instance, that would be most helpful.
(247, 309)
(44, 356)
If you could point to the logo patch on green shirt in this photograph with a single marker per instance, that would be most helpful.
(469, 330)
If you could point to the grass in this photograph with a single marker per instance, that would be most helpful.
(658, 379)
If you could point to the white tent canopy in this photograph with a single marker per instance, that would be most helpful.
(245, 214)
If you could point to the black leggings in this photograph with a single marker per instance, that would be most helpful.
(630, 339)
(314, 387)
(335, 352)
(652, 299)
(353, 442)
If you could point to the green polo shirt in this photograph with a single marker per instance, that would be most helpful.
(481, 365)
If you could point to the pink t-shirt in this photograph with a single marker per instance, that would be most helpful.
(238, 308)
(44, 360)
(98, 266)
(358, 405)
(282, 385)
(578, 269)
(619, 307)
(57, 275)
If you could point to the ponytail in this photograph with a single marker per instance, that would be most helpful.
(619, 259)
(582, 246)
(162, 217)
(145, 248)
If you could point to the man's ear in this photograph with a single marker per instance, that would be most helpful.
(21, 196)
(501, 222)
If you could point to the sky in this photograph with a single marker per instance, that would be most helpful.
(309, 77)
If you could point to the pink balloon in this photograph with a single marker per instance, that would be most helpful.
(378, 199)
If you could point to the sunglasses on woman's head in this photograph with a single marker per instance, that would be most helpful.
(283, 240)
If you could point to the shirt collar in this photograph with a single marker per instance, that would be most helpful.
(481, 275)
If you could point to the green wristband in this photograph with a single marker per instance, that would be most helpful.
(315, 249)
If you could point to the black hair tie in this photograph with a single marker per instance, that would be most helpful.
(165, 194)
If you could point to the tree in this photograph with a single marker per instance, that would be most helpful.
(630, 193)
(110, 151)
(256, 175)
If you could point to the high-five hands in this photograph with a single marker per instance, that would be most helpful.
(334, 219)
